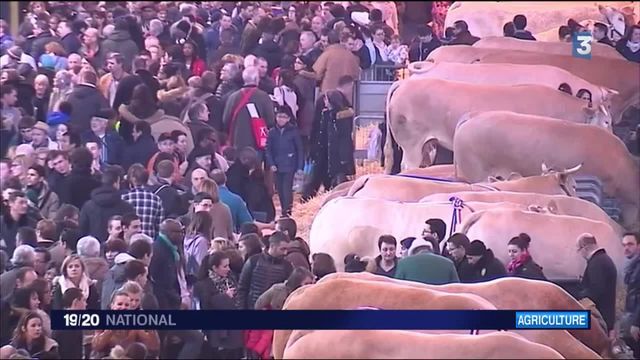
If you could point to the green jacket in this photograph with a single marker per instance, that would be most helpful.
(427, 268)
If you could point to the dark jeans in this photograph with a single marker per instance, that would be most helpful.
(284, 186)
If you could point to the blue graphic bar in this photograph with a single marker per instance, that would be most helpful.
(315, 319)
(553, 320)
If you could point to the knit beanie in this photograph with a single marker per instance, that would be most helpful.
(476, 248)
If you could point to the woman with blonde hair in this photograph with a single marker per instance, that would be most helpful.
(222, 220)
(73, 275)
(105, 340)
(20, 165)
(62, 87)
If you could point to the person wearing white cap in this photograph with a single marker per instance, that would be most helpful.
(425, 267)
(40, 137)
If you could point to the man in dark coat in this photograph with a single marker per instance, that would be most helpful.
(15, 216)
(462, 36)
(120, 41)
(76, 188)
(485, 265)
(144, 146)
(42, 31)
(631, 244)
(520, 23)
(600, 34)
(164, 265)
(456, 249)
(87, 102)
(599, 279)
(424, 45)
(68, 38)
(269, 50)
(105, 202)
(263, 270)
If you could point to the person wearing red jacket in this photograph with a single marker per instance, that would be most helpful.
(194, 64)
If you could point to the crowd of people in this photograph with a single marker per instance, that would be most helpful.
(142, 144)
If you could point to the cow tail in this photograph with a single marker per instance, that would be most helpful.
(358, 184)
(471, 220)
(389, 159)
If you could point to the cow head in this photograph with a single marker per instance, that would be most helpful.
(565, 178)
(615, 18)
(600, 116)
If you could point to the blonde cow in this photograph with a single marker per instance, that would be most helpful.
(500, 142)
(487, 18)
(553, 244)
(351, 225)
(425, 112)
(395, 344)
(544, 47)
(512, 293)
(555, 204)
(508, 74)
(400, 188)
(619, 75)
(351, 294)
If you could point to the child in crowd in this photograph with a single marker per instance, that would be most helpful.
(285, 156)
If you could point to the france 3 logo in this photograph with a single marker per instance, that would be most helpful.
(582, 45)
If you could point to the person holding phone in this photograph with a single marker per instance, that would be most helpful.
(216, 289)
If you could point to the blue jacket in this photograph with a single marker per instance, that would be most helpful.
(284, 149)
(239, 211)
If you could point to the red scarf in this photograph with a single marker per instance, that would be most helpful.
(518, 262)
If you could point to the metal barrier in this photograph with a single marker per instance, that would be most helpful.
(370, 107)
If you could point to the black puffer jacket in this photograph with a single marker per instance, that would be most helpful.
(488, 268)
(259, 273)
(94, 217)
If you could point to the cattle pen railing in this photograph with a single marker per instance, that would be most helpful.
(369, 103)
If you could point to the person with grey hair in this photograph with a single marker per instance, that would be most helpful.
(248, 113)
(599, 278)
(96, 266)
(88, 247)
(23, 256)
(228, 81)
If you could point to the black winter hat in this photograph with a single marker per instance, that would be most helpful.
(476, 248)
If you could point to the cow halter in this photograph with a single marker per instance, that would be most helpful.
(456, 216)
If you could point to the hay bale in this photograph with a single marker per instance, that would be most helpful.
(304, 213)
